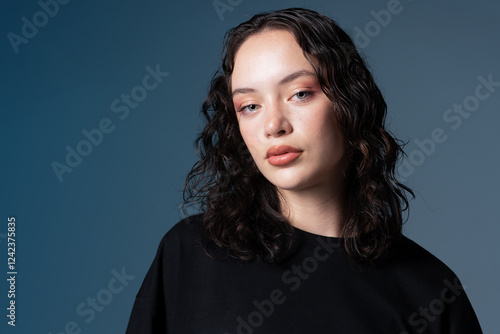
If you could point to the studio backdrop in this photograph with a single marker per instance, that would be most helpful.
(100, 107)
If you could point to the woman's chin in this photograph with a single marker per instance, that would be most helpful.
(290, 185)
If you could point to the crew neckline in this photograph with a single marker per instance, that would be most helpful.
(312, 241)
(314, 235)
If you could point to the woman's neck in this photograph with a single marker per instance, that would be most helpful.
(316, 210)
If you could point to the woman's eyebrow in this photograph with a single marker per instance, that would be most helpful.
(290, 77)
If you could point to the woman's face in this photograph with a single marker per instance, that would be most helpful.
(285, 119)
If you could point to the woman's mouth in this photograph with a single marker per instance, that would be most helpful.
(282, 154)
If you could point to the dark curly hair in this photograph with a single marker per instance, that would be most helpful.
(241, 207)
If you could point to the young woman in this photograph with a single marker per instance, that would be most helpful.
(301, 212)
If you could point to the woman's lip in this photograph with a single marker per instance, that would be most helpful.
(282, 154)
(283, 159)
(281, 149)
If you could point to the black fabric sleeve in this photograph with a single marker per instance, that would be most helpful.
(441, 302)
(148, 311)
(463, 319)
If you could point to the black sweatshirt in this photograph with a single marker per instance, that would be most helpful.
(317, 289)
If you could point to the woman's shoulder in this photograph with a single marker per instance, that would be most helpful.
(187, 226)
(416, 264)
(184, 233)
(416, 255)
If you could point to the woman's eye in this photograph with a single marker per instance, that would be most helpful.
(303, 95)
(250, 107)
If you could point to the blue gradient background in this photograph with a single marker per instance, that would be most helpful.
(113, 209)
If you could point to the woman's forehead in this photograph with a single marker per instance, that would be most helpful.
(268, 57)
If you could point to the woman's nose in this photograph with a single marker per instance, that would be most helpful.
(276, 121)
